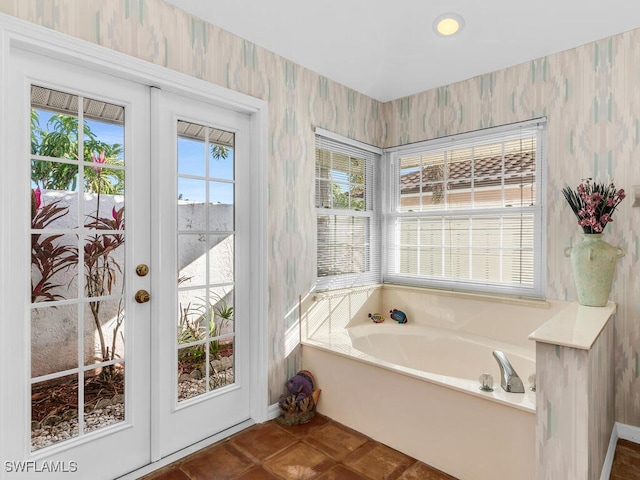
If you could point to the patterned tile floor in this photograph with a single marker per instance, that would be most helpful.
(321, 449)
(626, 463)
(325, 450)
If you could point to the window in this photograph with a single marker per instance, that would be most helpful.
(347, 222)
(466, 212)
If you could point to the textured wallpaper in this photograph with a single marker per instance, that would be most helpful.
(591, 96)
(562, 423)
(601, 399)
(299, 100)
(575, 409)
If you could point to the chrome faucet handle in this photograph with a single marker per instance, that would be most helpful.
(509, 379)
(514, 385)
(486, 382)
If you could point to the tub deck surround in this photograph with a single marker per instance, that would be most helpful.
(577, 326)
(448, 339)
(575, 409)
(510, 319)
(342, 343)
(460, 434)
(429, 406)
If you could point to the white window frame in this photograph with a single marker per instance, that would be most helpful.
(489, 135)
(372, 274)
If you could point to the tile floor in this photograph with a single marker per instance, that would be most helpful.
(626, 463)
(321, 450)
(325, 450)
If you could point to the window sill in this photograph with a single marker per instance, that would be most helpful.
(486, 297)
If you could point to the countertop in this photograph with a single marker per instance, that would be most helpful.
(575, 326)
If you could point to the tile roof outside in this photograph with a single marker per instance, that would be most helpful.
(487, 172)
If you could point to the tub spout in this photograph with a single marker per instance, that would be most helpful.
(509, 379)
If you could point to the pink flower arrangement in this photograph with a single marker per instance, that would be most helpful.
(593, 203)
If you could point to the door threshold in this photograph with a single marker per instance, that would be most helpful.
(180, 454)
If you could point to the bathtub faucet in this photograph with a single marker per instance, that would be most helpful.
(509, 379)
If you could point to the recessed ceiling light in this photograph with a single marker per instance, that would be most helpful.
(448, 24)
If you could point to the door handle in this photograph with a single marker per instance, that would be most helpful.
(142, 270)
(142, 296)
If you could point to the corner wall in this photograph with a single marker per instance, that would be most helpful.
(299, 100)
(591, 97)
(574, 411)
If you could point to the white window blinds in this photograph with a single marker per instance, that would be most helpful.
(348, 240)
(465, 212)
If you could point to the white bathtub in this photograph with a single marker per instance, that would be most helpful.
(415, 386)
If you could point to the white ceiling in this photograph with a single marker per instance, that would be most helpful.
(387, 49)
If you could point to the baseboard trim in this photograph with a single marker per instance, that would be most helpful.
(611, 451)
(628, 432)
(273, 411)
(625, 432)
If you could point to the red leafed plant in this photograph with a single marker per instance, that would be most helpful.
(101, 273)
(48, 256)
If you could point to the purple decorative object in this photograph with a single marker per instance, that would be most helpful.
(300, 386)
(398, 315)
(298, 405)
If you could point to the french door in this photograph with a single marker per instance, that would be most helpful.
(203, 375)
(128, 303)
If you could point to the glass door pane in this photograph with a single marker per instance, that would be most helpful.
(206, 260)
(77, 264)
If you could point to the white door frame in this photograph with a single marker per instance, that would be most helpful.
(27, 36)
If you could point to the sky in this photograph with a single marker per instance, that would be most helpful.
(192, 163)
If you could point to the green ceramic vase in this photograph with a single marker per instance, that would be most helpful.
(593, 262)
